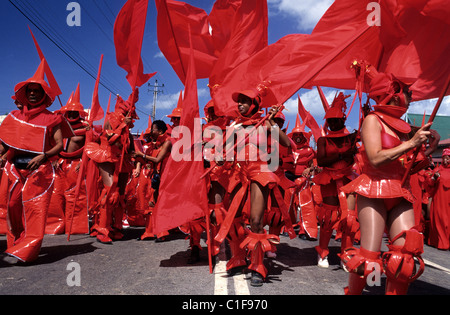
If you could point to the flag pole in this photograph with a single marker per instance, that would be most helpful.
(430, 120)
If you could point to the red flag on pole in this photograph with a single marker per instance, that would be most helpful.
(129, 30)
(96, 112)
(183, 195)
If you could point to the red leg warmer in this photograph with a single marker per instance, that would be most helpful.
(399, 262)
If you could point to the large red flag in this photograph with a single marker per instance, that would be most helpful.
(248, 35)
(128, 37)
(233, 31)
(343, 34)
(411, 42)
(174, 19)
(183, 195)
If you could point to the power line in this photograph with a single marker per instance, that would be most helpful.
(59, 46)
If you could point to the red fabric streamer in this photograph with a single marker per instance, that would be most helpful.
(176, 206)
(128, 37)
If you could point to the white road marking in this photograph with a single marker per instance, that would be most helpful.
(221, 277)
(432, 264)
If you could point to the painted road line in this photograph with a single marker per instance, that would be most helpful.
(434, 265)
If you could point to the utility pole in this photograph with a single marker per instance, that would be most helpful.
(156, 89)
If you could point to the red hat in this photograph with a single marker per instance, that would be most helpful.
(252, 94)
(262, 94)
(20, 89)
(124, 107)
(73, 104)
(177, 111)
(446, 152)
(381, 87)
(300, 128)
(280, 115)
(337, 108)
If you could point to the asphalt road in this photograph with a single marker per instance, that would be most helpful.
(130, 267)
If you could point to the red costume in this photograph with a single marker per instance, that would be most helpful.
(295, 166)
(385, 183)
(156, 171)
(28, 133)
(334, 175)
(244, 172)
(59, 219)
(115, 147)
(439, 236)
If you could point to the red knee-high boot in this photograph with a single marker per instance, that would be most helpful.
(257, 245)
(399, 262)
(328, 216)
(360, 262)
(236, 235)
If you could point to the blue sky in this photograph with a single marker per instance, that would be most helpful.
(94, 37)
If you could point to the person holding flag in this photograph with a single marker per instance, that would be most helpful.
(383, 199)
(256, 176)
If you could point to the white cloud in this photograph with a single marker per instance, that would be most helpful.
(170, 101)
(159, 55)
(428, 106)
(307, 12)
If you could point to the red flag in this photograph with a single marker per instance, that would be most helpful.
(174, 19)
(48, 72)
(233, 31)
(411, 42)
(96, 112)
(183, 195)
(248, 35)
(128, 37)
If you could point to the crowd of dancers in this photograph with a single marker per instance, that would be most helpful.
(62, 174)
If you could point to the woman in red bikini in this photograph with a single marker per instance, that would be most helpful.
(381, 199)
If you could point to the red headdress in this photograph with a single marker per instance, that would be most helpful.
(300, 128)
(446, 152)
(74, 105)
(128, 107)
(177, 111)
(382, 88)
(262, 94)
(20, 89)
(338, 107)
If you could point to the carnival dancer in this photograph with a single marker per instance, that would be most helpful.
(143, 172)
(255, 177)
(284, 191)
(300, 167)
(439, 236)
(113, 158)
(162, 146)
(382, 200)
(78, 221)
(213, 145)
(335, 154)
(34, 135)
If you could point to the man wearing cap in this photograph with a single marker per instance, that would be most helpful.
(34, 135)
